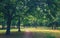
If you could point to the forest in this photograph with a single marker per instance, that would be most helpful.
(21, 14)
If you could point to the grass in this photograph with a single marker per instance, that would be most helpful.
(36, 33)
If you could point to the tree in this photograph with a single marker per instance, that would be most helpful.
(52, 5)
(8, 9)
(12, 9)
(18, 24)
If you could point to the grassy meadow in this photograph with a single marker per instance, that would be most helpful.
(33, 32)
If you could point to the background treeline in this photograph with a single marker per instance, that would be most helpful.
(29, 13)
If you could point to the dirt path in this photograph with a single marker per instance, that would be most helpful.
(28, 34)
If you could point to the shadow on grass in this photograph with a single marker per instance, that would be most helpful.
(21, 35)
(42, 35)
(12, 35)
(50, 36)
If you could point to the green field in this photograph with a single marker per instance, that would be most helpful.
(34, 32)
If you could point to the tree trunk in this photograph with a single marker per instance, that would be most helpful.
(8, 26)
(18, 24)
(2, 26)
(54, 27)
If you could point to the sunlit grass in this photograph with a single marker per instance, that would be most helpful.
(32, 30)
(2, 31)
(51, 32)
(47, 32)
(40, 30)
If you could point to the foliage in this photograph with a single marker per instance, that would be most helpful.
(30, 12)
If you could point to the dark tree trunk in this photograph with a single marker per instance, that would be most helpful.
(2, 26)
(18, 24)
(8, 26)
(54, 27)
